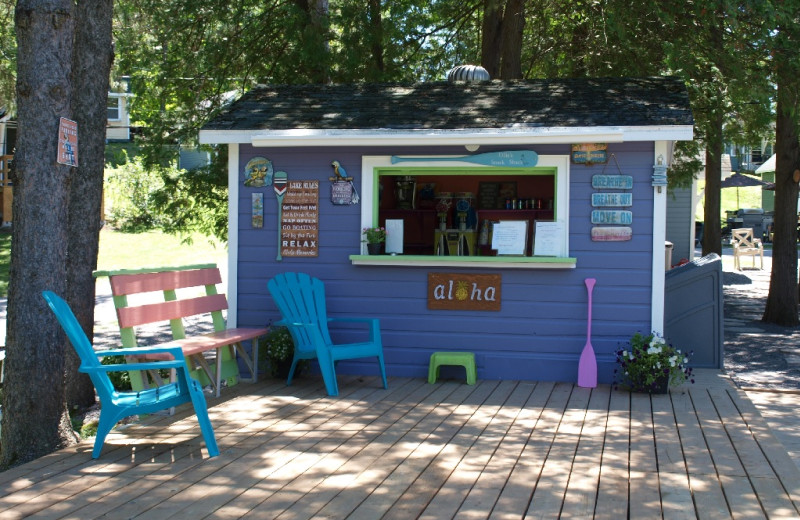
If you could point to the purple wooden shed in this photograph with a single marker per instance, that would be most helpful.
(538, 184)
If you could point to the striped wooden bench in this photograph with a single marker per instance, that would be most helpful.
(224, 342)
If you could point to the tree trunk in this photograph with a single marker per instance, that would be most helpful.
(712, 239)
(35, 420)
(375, 73)
(315, 45)
(513, 26)
(92, 65)
(782, 300)
(492, 37)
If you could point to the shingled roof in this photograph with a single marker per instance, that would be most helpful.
(603, 102)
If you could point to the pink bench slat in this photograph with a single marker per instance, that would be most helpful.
(163, 281)
(197, 344)
(165, 311)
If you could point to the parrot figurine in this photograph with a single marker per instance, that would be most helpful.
(341, 176)
(339, 171)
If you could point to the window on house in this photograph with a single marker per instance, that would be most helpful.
(455, 210)
(114, 108)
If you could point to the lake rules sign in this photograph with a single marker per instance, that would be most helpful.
(300, 219)
(67, 142)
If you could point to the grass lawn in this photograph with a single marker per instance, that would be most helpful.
(134, 250)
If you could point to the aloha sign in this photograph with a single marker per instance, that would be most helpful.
(464, 292)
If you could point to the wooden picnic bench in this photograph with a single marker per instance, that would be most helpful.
(223, 342)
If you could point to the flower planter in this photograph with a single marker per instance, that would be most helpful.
(374, 249)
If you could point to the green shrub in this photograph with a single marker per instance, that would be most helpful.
(120, 380)
(129, 196)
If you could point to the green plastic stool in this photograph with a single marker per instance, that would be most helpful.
(464, 359)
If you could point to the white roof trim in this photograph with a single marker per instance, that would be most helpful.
(383, 137)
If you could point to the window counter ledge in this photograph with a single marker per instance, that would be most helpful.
(486, 262)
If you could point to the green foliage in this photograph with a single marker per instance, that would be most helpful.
(649, 360)
(129, 196)
(89, 429)
(193, 201)
(686, 164)
(5, 262)
(8, 58)
(276, 352)
(120, 380)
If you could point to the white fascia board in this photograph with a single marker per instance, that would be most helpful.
(487, 137)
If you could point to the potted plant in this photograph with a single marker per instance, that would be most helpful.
(374, 237)
(651, 365)
(277, 351)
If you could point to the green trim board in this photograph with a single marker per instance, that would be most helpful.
(489, 262)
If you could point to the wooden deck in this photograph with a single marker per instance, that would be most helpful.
(498, 449)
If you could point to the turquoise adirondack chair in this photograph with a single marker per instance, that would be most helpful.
(301, 302)
(116, 405)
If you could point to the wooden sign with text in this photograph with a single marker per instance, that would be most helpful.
(611, 233)
(612, 199)
(300, 219)
(464, 292)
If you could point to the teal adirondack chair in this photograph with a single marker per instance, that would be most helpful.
(116, 405)
(301, 302)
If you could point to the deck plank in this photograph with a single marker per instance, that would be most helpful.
(673, 476)
(584, 479)
(548, 497)
(612, 492)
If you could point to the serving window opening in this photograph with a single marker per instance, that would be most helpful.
(467, 212)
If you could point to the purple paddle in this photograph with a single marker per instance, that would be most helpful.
(587, 366)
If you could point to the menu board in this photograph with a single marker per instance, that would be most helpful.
(300, 219)
(488, 193)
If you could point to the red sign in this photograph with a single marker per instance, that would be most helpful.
(67, 142)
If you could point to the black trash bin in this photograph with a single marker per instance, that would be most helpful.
(693, 313)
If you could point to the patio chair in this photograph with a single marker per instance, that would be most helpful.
(116, 405)
(744, 244)
(301, 302)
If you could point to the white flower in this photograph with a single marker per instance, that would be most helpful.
(686, 360)
(657, 341)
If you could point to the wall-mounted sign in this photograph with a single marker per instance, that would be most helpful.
(612, 216)
(514, 159)
(612, 199)
(67, 142)
(464, 292)
(343, 191)
(258, 172)
(300, 219)
(589, 153)
(612, 182)
(257, 210)
(611, 234)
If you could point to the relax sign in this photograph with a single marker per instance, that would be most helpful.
(464, 292)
